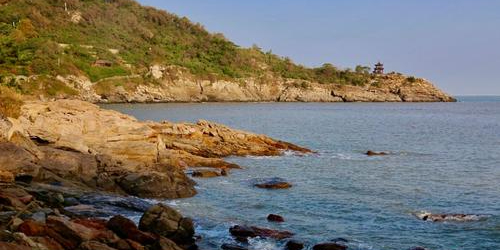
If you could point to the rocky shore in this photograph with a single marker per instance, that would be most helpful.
(61, 160)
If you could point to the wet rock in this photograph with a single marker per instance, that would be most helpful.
(39, 216)
(294, 245)
(275, 218)
(135, 245)
(206, 174)
(167, 222)
(11, 246)
(127, 229)
(232, 247)
(373, 153)
(273, 183)
(243, 232)
(450, 217)
(94, 245)
(418, 248)
(116, 202)
(330, 246)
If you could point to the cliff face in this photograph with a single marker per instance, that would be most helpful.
(173, 85)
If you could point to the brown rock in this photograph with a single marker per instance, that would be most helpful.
(242, 232)
(127, 229)
(6, 177)
(206, 174)
(329, 246)
(67, 233)
(135, 245)
(273, 183)
(158, 185)
(167, 222)
(32, 228)
(11, 246)
(94, 245)
(165, 244)
(50, 243)
(275, 218)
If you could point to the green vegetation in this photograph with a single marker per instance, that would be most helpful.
(60, 37)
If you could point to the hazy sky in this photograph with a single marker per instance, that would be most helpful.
(453, 43)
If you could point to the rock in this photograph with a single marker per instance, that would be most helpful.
(32, 228)
(49, 243)
(242, 232)
(94, 245)
(329, 246)
(206, 174)
(294, 245)
(69, 234)
(165, 244)
(450, 217)
(275, 218)
(39, 216)
(167, 222)
(135, 245)
(6, 177)
(157, 185)
(112, 201)
(273, 183)
(11, 246)
(22, 239)
(373, 153)
(232, 247)
(127, 229)
(418, 248)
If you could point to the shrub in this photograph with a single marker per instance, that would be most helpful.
(10, 102)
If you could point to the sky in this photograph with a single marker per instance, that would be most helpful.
(453, 43)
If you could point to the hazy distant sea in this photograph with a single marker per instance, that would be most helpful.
(445, 158)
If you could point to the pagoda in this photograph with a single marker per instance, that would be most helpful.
(379, 69)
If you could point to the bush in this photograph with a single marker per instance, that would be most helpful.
(411, 79)
(10, 102)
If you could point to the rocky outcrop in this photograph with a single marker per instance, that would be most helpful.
(78, 144)
(175, 84)
(242, 233)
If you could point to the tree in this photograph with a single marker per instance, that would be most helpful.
(362, 69)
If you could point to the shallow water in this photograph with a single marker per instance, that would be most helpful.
(445, 158)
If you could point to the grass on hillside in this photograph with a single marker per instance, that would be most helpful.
(10, 102)
(40, 38)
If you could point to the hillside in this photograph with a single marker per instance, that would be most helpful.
(118, 50)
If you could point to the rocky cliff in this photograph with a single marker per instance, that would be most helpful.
(172, 84)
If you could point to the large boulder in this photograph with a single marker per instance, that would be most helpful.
(170, 185)
(127, 229)
(330, 246)
(166, 221)
(69, 234)
(273, 183)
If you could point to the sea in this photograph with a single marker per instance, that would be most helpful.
(443, 158)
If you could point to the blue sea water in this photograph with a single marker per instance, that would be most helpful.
(445, 158)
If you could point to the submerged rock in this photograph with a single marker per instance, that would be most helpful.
(373, 153)
(206, 174)
(450, 217)
(294, 245)
(275, 218)
(273, 183)
(243, 232)
(232, 247)
(329, 246)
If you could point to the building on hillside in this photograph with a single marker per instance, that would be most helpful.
(379, 69)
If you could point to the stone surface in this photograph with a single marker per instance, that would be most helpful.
(329, 246)
(294, 245)
(373, 153)
(77, 144)
(273, 183)
(11, 246)
(167, 222)
(94, 245)
(275, 218)
(242, 232)
(451, 217)
(125, 228)
(232, 247)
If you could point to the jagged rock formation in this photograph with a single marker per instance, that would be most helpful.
(78, 144)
